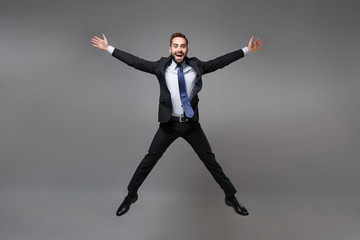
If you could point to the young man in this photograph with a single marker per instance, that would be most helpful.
(180, 82)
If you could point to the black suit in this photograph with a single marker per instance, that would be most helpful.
(170, 130)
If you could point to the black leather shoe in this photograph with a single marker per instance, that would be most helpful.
(238, 207)
(125, 205)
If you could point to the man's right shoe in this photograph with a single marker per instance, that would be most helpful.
(125, 205)
(238, 207)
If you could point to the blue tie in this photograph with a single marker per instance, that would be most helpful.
(189, 112)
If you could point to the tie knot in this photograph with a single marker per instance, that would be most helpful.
(180, 66)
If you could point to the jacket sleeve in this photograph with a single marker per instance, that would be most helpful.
(136, 62)
(222, 61)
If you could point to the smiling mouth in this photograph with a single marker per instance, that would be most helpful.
(179, 56)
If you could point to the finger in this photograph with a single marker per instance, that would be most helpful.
(104, 37)
(250, 41)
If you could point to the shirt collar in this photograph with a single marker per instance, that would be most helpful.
(174, 65)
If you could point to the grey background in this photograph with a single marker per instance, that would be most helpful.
(283, 122)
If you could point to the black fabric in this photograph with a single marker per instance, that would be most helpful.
(166, 134)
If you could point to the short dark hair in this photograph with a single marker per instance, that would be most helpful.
(178, 34)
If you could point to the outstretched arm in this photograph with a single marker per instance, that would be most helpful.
(129, 59)
(226, 59)
(254, 46)
(99, 43)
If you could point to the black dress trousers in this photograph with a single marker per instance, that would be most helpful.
(167, 133)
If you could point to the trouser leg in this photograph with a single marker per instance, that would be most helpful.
(197, 139)
(162, 140)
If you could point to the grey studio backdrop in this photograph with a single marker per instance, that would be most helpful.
(283, 122)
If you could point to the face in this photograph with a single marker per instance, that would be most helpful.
(178, 49)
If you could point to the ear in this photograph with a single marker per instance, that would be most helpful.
(170, 50)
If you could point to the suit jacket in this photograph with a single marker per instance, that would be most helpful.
(158, 69)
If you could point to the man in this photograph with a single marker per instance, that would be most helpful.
(180, 82)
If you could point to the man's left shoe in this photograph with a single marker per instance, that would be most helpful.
(125, 205)
(238, 207)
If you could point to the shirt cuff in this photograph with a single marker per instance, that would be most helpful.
(110, 49)
(246, 51)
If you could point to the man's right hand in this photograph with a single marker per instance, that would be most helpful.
(100, 43)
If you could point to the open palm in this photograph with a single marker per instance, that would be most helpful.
(254, 45)
(100, 43)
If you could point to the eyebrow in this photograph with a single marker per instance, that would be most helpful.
(175, 44)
